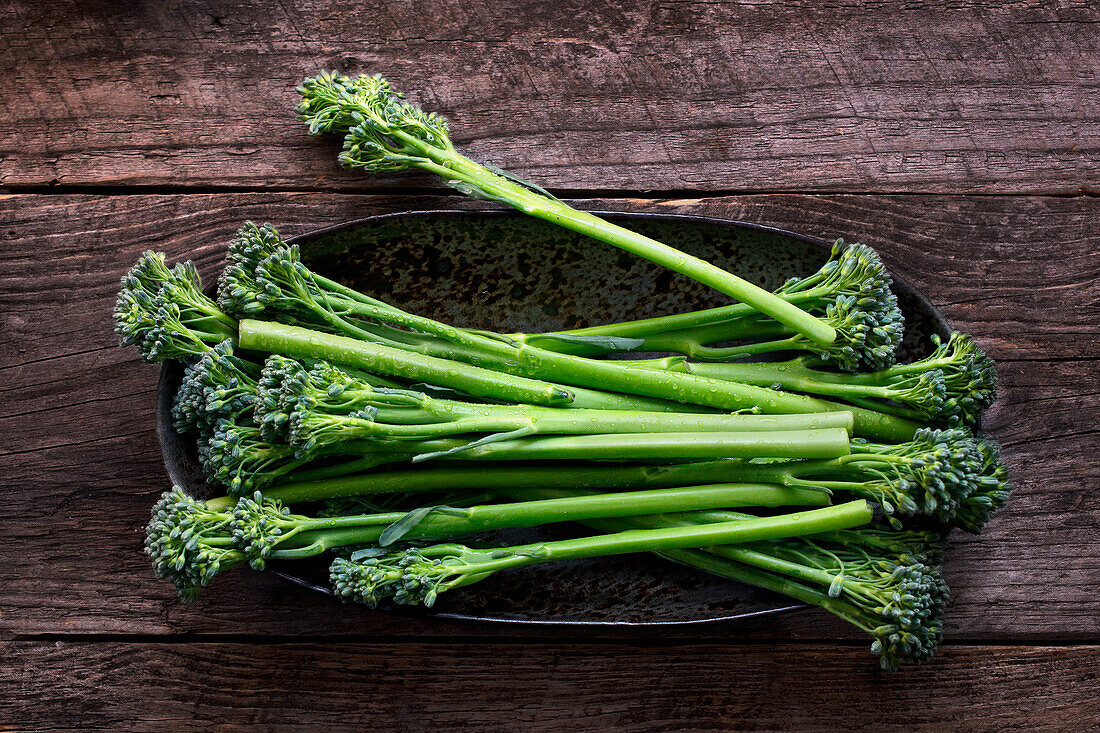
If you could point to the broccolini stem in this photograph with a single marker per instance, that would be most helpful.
(717, 564)
(371, 357)
(317, 416)
(813, 521)
(453, 166)
(823, 443)
(504, 477)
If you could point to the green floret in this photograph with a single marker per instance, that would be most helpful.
(252, 244)
(866, 337)
(865, 310)
(991, 491)
(220, 385)
(379, 125)
(281, 287)
(411, 577)
(925, 394)
(970, 377)
(335, 103)
(238, 291)
(275, 401)
(237, 457)
(929, 476)
(258, 526)
(189, 543)
(288, 386)
(164, 313)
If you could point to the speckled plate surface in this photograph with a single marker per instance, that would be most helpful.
(508, 272)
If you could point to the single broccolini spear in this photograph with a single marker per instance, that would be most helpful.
(956, 479)
(418, 575)
(164, 313)
(953, 385)
(192, 541)
(937, 474)
(899, 603)
(887, 583)
(351, 479)
(851, 292)
(220, 385)
(384, 133)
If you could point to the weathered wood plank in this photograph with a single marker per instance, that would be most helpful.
(81, 464)
(684, 95)
(585, 687)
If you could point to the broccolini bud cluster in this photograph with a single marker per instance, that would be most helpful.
(164, 313)
(910, 600)
(991, 489)
(930, 475)
(900, 587)
(925, 392)
(858, 302)
(407, 578)
(238, 457)
(189, 543)
(258, 526)
(383, 132)
(219, 386)
(275, 399)
(240, 291)
(266, 278)
(969, 376)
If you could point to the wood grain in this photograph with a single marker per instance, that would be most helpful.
(676, 95)
(548, 687)
(82, 466)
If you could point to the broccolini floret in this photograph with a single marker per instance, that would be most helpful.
(164, 313)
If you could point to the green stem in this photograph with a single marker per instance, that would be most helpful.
(303, 343)
(824, 443)
(813, 521)
(439, 418)
(791, 375)
(719, 319)
(453, 166)
(501, 477)
(714, 563)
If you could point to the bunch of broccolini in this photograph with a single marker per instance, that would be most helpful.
(832, 475)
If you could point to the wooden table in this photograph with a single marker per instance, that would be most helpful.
(962, 143)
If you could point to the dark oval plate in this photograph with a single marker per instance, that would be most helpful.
(509, 272)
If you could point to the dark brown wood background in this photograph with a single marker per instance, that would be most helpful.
(961, 141)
